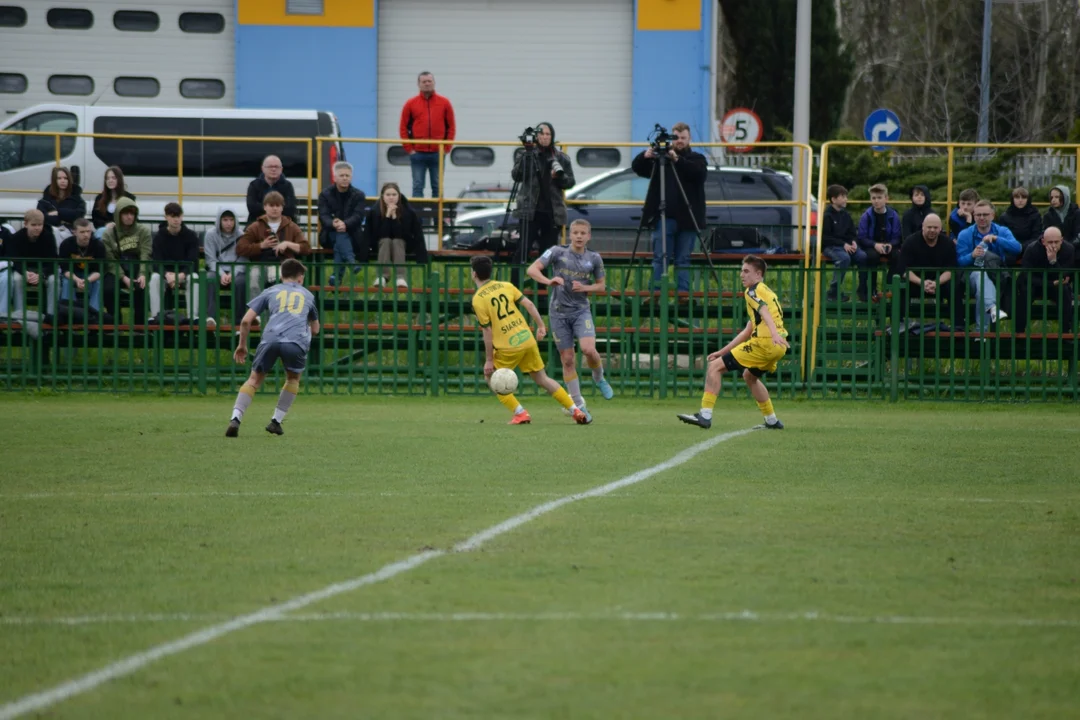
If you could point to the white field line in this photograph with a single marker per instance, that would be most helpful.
(128, 665)
(747, 616)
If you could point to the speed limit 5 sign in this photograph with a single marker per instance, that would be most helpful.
(740, 125)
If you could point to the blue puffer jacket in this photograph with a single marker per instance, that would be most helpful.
(1006, 245)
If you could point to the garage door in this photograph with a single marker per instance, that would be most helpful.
(507, 65)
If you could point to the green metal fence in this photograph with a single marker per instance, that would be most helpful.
(422, 339)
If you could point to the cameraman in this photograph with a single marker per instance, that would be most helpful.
(690, 168)
(541, 204)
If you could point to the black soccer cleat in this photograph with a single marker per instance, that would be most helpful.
(696, 419)
(775, 426)
(234, 428)
(274, 427)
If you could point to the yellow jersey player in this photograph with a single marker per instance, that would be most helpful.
(508, 341)
(755, 351)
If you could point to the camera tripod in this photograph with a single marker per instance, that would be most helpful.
(519, 255)
(662, 161)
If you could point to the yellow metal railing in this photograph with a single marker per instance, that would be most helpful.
(950, 148)
(802, 203)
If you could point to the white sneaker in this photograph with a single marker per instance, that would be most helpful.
(402, 284)
(379, 282)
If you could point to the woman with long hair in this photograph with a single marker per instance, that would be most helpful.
(105, 203)
(393, 229)
(62, 200)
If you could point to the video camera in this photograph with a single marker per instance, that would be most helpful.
(530, 139)
(529, 136)
(660, 140)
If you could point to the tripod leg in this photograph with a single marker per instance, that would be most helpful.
(637, 238)
(698, 233)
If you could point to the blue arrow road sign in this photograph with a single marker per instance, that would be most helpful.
(882, 126)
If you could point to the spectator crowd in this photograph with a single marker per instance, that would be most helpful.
(974, 250)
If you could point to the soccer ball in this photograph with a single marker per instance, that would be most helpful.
(503, 381)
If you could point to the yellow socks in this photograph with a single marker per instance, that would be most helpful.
(509, 402)
(708, 402)
(563, 398)
(766, 408)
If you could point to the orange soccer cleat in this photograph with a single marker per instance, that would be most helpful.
(580, 417)
(521, 418)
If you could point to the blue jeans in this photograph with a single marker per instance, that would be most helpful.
(344, 254)
(985, 295)
(677, 246)
(841, 260)
(421, 162)
(67, 293)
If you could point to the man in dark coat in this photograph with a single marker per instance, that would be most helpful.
(341, 216)
(1051, 262)
(673, 243)
(270, 180)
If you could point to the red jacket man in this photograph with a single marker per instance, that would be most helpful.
(426, 116)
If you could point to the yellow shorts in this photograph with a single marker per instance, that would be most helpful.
(758, 355)
(527, 358)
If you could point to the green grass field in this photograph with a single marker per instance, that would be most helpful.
(910, 561)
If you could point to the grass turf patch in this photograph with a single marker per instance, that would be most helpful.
(960, 520)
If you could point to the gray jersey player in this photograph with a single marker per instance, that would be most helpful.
(293, 320)
(576, 271)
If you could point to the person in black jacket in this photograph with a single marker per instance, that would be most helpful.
(921, 206)
(1064, 215)
(270, 180)
(685, 215)
(175, 256)
(393, 227)
(62, 200)
(838, 240)
(84, 274)
(928, 260)
(101, 212)
(1022, 218)
(545, 174)
(1051, 263)
(341, 216)
(35, 246)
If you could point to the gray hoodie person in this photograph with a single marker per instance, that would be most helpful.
(219, 248)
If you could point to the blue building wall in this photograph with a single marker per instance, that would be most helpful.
(313, 67)
(671, 75)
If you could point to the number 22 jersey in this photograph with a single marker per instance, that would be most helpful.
(495, 305)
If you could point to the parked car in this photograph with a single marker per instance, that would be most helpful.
(615, 226)
(481, 191)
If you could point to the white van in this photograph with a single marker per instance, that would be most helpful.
(213, 170)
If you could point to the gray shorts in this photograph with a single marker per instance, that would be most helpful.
(566, 328)
(293, 357)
